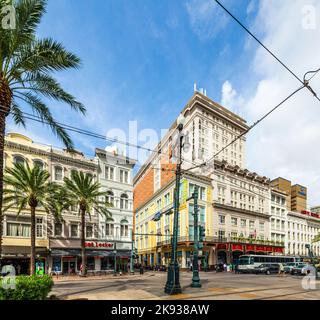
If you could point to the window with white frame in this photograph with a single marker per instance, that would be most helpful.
(58, 229)
(110, 198)
(89, 231)
(58, 173)
(124, 202)
(74, 230)
(18, 229)
(109, 229)
(124, 230)
(222, 219)
(124, 176)
(39, 227)
(109, 173)
(167, 199)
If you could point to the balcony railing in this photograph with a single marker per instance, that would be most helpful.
(225, 240)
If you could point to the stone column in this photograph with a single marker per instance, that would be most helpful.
(184, 260)
(97, 264)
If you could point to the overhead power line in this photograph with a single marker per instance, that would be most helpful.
(268, 50)
(254, 124)
(37, 118)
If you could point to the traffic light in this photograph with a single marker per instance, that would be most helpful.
(202, 233)
(136, 253)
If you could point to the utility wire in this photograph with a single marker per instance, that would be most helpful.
(36, 118)
(268, 50)
(254, 124)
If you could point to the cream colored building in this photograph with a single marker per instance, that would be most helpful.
(302, 228)
(57, 242)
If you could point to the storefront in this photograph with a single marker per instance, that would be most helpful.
(19, 257)
(100, 255)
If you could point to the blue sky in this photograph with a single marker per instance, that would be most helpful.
(141, 58)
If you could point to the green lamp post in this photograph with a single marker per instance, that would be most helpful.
(173, 282)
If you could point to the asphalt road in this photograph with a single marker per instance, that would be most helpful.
(215, 286)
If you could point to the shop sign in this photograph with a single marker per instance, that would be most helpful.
(280, 250)
(99, 244)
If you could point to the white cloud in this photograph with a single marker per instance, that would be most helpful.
(287, 142)
(205, 18)
(230, 98)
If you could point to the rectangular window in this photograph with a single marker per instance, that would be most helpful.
(18, 230)
(251, 224)
(74, 230)
(167, 199)
(222, 219)
(58, 229)
(261, 226)
(124, 176)
(39, 228)
(234, 221)
(124, 230)
(243, 222)
(58, 174)
(109, 229)
(109, 173)
(89, 231)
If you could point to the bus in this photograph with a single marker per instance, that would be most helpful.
(249, 261)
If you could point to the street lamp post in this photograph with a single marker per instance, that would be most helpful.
(173, 282)
(132, 256)
(115, 259)
(195, 267)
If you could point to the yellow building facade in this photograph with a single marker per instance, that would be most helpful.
(152, 238)
(16, 229)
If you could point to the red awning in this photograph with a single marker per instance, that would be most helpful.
(237, 247)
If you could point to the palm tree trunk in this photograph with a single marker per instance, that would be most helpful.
(33, 241)
(2, 133)
(83, 239)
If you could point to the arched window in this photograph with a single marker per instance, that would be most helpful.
(38, 163)
(110, 227)
(19, 159)
(124, 228)
(124, 201)
(110, 198)
(58, 173)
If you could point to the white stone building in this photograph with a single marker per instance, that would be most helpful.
(278, 217)
(115, 177)
(301, 230)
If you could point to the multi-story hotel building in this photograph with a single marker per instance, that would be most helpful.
(240, 219)
(115, 177)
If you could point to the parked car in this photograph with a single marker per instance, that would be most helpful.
(267, 268)
(298, 268)
(289, 266)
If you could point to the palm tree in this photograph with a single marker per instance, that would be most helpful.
(85, 192)
(27, 188)
(26, 65)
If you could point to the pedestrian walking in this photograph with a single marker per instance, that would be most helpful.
(281, 270)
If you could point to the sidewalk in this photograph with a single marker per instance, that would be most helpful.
(68, 278)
